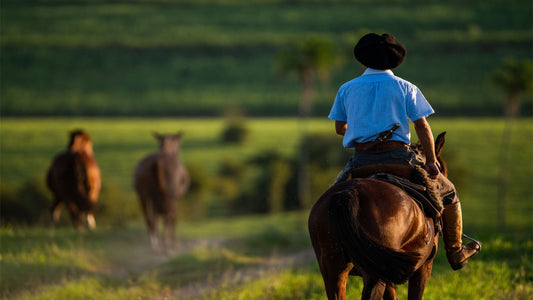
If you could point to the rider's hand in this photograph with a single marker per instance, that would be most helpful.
(432, 169)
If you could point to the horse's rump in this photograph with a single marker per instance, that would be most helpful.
(69, 181)
(390, 265)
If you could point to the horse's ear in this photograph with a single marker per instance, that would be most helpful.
(180, 134)
(156, 135)
(439, 143)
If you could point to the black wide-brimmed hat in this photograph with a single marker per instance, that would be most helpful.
(380, 52)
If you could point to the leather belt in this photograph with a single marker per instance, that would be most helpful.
(380, 146)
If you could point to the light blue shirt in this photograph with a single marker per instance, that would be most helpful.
(374, 102)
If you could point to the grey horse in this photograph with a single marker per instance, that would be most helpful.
(160, 180)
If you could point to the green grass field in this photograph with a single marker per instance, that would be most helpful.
(251, 257)
(473, 146)
(229, 259)
(168, 58)
(95, 60)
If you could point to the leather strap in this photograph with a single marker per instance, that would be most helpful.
(380, 146)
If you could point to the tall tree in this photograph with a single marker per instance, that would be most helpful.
(309, 58)
(514, 78)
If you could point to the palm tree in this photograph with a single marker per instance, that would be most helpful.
(514, 78)
(310, 58)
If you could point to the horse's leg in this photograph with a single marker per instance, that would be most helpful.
(75, 216)
(170, 227)
(56, 211)
(333, 266)
(151, 222)
(91, 222)
(373, 288)
(335, 274)
(390, 293)
(417, 282)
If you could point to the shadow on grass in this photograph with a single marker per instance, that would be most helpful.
(19, 277)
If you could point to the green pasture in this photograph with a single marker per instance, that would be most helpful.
(177, 57)
(235, 257)
(228, 259)
(472, 148)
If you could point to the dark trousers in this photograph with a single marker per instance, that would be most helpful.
(400, 155)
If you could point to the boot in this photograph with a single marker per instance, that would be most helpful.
(456, 253)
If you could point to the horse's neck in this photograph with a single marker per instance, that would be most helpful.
(169, 153)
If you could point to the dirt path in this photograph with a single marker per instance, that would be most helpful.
(139, 258)
(274, 265)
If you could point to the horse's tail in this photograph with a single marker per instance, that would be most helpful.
(391, 266)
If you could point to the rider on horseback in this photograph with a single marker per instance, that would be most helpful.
(377, 101)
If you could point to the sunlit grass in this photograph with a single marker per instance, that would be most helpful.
(116, 263)
(473, 145)
(495, 274)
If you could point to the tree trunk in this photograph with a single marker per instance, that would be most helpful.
(306, 101)
(303, 160)
(511, 111)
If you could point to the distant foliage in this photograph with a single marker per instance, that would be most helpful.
(272, 187)
(117, 208)
(235, 133)
(326, 151)
(193, 206)
(27, 205)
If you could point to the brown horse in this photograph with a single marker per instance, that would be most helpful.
(160, 180)
(74, 179)
(375, 230)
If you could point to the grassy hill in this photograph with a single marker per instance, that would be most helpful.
(182, 58)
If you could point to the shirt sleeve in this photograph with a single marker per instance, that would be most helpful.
(417, 105)
(338, 111)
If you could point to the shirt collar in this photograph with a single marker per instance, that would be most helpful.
(370, 71)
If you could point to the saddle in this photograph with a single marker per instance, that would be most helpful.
(414, 180)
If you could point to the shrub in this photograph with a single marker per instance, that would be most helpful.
(234, 133)
(27, 205)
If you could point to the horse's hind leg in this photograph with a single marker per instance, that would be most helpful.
(56, 211)
(417, 282)
(335, 277)
(390, 293)
(373, 289)
(333, 266)
(151, 223)
(91, 222)
(75, 216)
(170, 232)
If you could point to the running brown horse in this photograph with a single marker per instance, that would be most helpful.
(160, 180)
(373, 229)
(74, 179)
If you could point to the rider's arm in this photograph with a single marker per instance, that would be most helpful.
(425, 137)
(340, 127)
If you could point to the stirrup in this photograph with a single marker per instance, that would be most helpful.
(473, 240)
